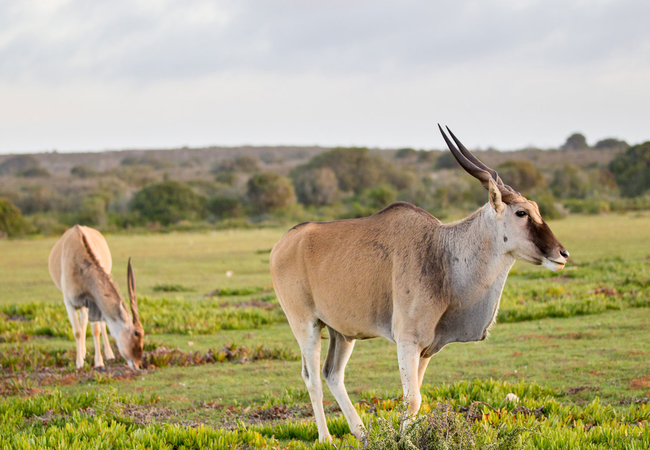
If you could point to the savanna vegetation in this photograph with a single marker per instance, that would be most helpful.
(226, 188)
(223, 369)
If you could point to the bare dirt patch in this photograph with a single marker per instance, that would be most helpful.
(607, 291)
(17, 377)
(642, 382)
(576, 389)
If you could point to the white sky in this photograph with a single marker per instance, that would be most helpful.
(111, 74)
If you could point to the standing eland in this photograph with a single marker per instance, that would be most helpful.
(80, 266)
(403, 275)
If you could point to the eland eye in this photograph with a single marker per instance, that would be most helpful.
(137, 333)
(521, 213)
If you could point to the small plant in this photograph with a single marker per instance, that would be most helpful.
(171, 288)
(227, 292)
(441, 429)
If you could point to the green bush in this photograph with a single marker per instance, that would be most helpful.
(406, 153)
(12, 222)
(570, 181)
(632, 170)
(355, 169)
(17, 164)
(246, 164)
(94, 211)
(380, 196)
(270, 191)
(548, 207)
(35, 172)
(521, 175)
(611, 143)
(225, 206)
(446, 161)
(588, 206)
(576, 141)
(317, 186)
(168, 202)
(82, 171)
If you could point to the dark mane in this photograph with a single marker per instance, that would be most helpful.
(388, 209)
(400, 205)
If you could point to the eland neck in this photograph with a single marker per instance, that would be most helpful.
(474, 261)
(109, 301)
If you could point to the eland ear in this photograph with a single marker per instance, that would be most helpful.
(495, 197)
(130, 278)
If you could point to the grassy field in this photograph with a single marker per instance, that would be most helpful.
(224, 368)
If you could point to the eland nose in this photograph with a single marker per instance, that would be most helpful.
(564, 252)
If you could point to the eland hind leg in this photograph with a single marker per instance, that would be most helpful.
(309, 336)
(83, 312)
(307, 331)
(338, 355)
(78, 336)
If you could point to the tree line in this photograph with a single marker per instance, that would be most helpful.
(339, 183)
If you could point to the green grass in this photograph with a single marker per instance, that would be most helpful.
(575, 343)
(171, 288)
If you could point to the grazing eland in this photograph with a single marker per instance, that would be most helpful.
(403, 275)
(80, 266)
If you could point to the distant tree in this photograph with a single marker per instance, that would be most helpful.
(227, 178)
(402, 178)
(576, 141)
(269, 191)
(569, 181)
(405, 153)
(355, 168)
(40, 199)
(81, 171)
(18, 164)
(521, 175)
(35, 172)
(12, 222)
(317, 186)
(380, 196)
(611, 143)
(271, 158)
(246, 164)
(93, 211)
(225, 206)
(548, 207)
(446, 161)
(147, 160)
(168, 202)
(137, 176)
(632, 170)
(426, 156)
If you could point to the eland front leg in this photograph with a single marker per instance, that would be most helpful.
(408, 356)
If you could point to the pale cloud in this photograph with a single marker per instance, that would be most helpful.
(111, 74)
